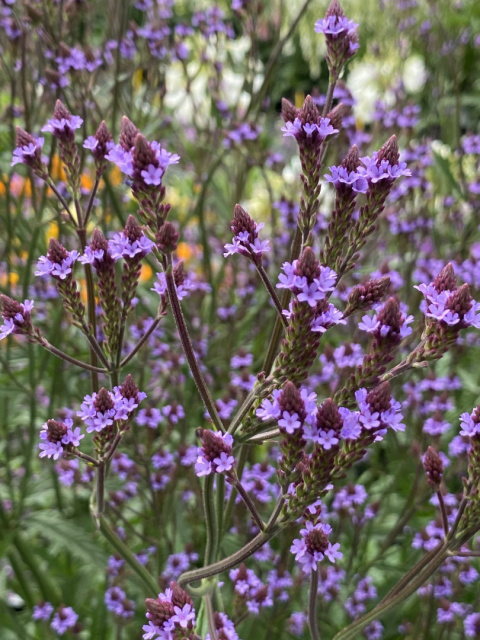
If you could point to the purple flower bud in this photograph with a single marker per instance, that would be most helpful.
(433, 468)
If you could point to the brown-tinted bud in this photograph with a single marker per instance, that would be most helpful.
(328, 416)
(309, 112)
(380, 398)
(55, 430)
(159, 610)
(179, 597)
(61, 111)
(336, 116)
(243, 222)
(143, 156)
(133, 230)
(128, 133)
(365, 295)
(289, 111)
(391, 316)
(316, 540)
(433, 468)
(389, 151)
(290, 400)
(64, 50)
(179, 274)
(52, 76)
(99, 242)
(335, 9)
(103, 401)
(104, 137)
(461, 301)
(445, 281)
(56, 251)
(10, 307)
(167, 238)
(23, 138)
(308, 265)
(351, 161)
(129, 389)
(213, 445)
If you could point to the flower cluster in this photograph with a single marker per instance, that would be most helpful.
(28, 150)
(310, 290)
(341, 37)
(449, 304)
(378, 324)
(63, 620)
(16, 317)
(314, 545)
(215, 454)
(170, 616)
(318, 131)
(145, 162)
(246, 240)
(58, 437)
(250, 590)
(101, 409)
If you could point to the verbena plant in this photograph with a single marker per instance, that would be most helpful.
(229, 528)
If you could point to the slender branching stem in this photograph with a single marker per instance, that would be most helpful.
(209, 511)
(248, 502)
(64, 356)
(227, 563)
(187, 346)
(87, 458)
(212, 629)
(273, 294)
(161, 313)
(443, 512)
(91, 201)
(122, 549)
(312, 605)
(62, 200)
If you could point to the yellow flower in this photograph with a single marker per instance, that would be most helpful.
(146, 273)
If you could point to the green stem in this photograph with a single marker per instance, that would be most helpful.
(272, 293)
(390, 601)
(161, 313)
(249, 503)
(48, 591)
(128, 556)
(244, 409)
(64, 356)
(227, 563)
(212, 628)
(241, 460)
(187, 346)
(209, 510)
(312, 605)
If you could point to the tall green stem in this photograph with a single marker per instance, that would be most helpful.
(188, 348)
(312, 605)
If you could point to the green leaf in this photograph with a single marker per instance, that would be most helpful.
(67, 535)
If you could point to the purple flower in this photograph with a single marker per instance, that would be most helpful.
(369, 324)
(152, 175)
(340, 175)
(327, 439)
(224, 462)
(59, 126)
(335, 25)
(42, 611)
(63, 620)
(27, 153)
(183, 615)
(289, 422)
(7, 328)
